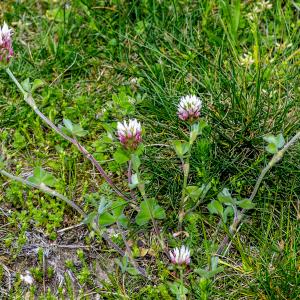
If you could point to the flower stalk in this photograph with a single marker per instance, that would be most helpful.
(188, 110)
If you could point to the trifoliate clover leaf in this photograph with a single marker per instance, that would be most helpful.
(149, 209)
(215, 207)
(72, 129)
(41, 176)
(181, 148)
(225, 197)
(274, 142)
(121, 156)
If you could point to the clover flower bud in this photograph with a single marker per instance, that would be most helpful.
(180, 256)
(6, 50)
(189, 108)
(130, 134)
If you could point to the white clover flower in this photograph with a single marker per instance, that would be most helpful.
(6, 50)
(27, 278)
(246, 59)
(180, 256)
(130, 134)
(5, 33)
(189, 108)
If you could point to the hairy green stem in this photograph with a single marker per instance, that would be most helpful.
(182, 295)
(129, 174)
(186, 171)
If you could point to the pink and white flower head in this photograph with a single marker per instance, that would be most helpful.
(130, 134)
(189, 108)
(6, 50)
(180, 256)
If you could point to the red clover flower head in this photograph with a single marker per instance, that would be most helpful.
(6, 50)
(180, 256)
(130, 133)
(189, 108)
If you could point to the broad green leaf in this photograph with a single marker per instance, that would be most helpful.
(103, 205)
(178, 290)
(121, 156)
(280, 141)
(134, 181)
(78, 131)
(181, 148)
(132, 271)
(225, 197)
(100, 145)
(41, 176)
(274, 142)
(118, 206)
(208, 274)
(202, 125)
(271, 148)
(123, 263)
(214, 261)
(136, 162)
(19, 140)
(90, 218)
(58, 14)
(73, 129)
(174, 287)
(215, 207)
(196, 130)
(26, 85)
(194, 191)
(106, 219)
(68, 123)
(123, 220)
(115, 214)
(227, 212)
(270, 138)
(37, 84)
(140, 149)
(246, 204)
(149, 208)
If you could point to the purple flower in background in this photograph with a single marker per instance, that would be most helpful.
(189, 108)
(6, 50)
(180, 256)
(130, 134)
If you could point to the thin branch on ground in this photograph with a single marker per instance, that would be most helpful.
(95, 226)
(238, 221)
(30, 101)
